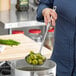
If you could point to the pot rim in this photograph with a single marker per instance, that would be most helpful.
(54, 65)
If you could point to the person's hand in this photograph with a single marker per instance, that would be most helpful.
(47, 13)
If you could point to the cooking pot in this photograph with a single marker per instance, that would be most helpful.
(24, 69)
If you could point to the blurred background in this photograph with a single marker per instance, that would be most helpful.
(5, 31)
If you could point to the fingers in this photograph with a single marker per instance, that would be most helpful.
(53, 14)
(48, 19)
(53, 22)
(45, 20)
(47, 13)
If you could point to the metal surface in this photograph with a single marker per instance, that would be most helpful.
(46, 31)
(49, 67)
(15, 19)
(47, 27)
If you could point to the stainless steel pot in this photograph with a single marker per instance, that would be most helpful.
(24, 69)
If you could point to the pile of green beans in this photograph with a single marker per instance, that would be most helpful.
(9, 42)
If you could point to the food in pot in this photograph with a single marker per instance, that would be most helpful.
(9, 42)
(35, 58)
(34, 62)
(40, 61)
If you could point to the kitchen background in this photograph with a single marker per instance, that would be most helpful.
(23, 21)
(29, 15)
(5, 31)
(13, 1)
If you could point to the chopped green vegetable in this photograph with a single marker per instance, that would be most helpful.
(40, 61)
(29, 60)
(35, 58)
(31, 52)
(39, 55)
(43, 58)
(9, 42)
(34, 62)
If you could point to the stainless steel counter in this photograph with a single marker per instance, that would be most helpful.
(14, 19)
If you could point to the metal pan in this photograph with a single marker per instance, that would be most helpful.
(24, 69)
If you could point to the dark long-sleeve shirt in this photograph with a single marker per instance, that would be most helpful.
(64, 51)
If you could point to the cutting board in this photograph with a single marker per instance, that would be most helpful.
(19, 52)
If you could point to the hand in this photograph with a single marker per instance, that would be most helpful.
(47, 13)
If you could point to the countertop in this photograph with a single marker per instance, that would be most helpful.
(20, 51)
(16, 19)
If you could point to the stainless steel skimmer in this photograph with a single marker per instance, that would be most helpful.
(47, 27)
(46, 31)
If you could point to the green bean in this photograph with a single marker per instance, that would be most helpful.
(9, 42)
